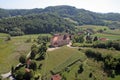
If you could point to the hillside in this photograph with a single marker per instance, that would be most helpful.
(53, 18)
(34, 24)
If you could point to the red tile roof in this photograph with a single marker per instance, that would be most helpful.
(56, 77)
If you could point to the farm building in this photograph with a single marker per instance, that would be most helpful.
(103, 39)
(56, 77)
(59, 40)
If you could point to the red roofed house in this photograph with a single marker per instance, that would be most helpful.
(103, 39)
(56, 77)
(60, 40)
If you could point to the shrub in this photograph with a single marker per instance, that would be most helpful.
(90, 75)
(22, 59)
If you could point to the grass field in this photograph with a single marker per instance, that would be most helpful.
(93, 27)
(60, 58)
(113, 32)
(107, 33)
(56, 60)
(109, 36)
(105, 52)
(10, 51)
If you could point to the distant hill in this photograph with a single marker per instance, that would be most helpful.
(34, 24)
(80, 16)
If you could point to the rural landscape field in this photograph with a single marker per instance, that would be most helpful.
(59, 43)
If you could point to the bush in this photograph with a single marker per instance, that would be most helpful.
(22, 59)
(33, 65)
(28, 40)
(90, 75)
(80, 69)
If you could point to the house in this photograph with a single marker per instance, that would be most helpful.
(56, 77)
(59, 40)
(103, 39)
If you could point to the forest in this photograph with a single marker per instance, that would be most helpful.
(51, 19)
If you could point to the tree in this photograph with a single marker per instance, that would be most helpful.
(22, 59)
(12, 70)
(19, 75)
(95, 38)
(113, 73)
(90, 75)
(78, 38)
(88, 39)
(33, 65)
(42, 50)
(80, 69)
(33, 53)
(33, 46)
(28, 75)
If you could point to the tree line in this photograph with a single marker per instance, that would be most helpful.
(111, 63)
(80, 15)
(108, 45)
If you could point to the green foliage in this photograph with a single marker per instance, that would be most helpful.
(33, 65)
(95, 38)
(88, 39)
(44, 38)
(90, 75)
(42, 21)
(110, 44)
(19, 75)
(22, 59)
(42, 50)
(12, 70)
(34, 24)
(29, 75)
(78, 39)
(111, 64)
(80, 69)
(16, 31)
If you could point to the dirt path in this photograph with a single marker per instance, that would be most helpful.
(52, 49)
(70, 45)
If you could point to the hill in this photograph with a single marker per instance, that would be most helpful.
(26, 18)
(34, 24)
